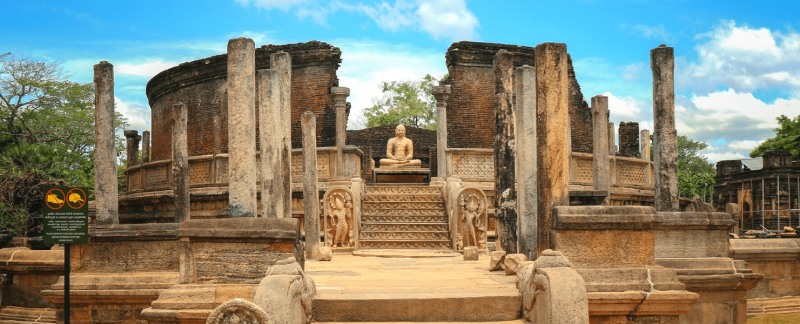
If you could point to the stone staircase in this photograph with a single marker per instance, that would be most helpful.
(404, 217)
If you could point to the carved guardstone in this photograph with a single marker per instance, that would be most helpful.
(339, 211)
(472, 219)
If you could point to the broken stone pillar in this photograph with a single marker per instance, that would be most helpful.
(339, 96)
(601, 172)
(525, 145)
(105, 156)
(180, 161)
(310, 192)
(552, 132)
(665, 138)
(145, 147)
(132, 147)
(441, 92)
(629, 139)
(612, 143)
(241, 128)
(282, 62)
(217, 134)
(505, 193)
(271, 139)
(644, 144)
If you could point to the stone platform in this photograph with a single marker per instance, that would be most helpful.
(446, 289)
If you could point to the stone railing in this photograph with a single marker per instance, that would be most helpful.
(212, 170)
(470, 164)
(625, 172)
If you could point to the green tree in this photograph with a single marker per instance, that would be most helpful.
(785, 138)
(696, 176)
(410, 103)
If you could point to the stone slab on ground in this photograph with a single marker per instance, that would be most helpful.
(404, 253)
(446, 289)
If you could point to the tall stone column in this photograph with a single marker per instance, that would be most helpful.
(552, 130)
(216, 133)
(441, 92)
(612, 146)
(271, 138)
(644, 144)
(282, 62)
(180, 161)
(308, 122)
(601, 173)
(505, 193)
(339, 96)
(106, 189)
(145, 146)
(132, 147)
(665, 138)
(241, 128)
(525, 143)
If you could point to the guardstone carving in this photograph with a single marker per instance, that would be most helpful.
(238, 311)
(472, 217)
(339, 211)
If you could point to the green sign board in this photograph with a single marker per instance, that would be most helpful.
(66, 215)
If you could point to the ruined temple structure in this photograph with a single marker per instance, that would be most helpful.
(765, 190)
(256, 205)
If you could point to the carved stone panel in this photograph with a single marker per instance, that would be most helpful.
(339, 215)
(238, 311)
(472, 218)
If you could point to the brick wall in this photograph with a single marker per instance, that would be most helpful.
(580, 116)
(629, 139)
(202, 86)
(377, 137)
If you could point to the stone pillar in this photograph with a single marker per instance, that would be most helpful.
(629, 139)
(106, 191)
(644, 144)
(180, 161)
(665, 138)
(310, 192)
(552, 132)
(217, 134)
(339, 97)
(282, 62)
(612, 145)
(145, 146)
(241, 128)
(441, 92)
(525, 145)
(601, 173)
(505, 193)
(132, 147)
(271, 139)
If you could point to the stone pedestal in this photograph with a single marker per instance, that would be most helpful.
(665, 137)
(241, 128)
(526, 164)
(23, 274)
(105, 156)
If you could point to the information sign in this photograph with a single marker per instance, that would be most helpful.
(66, 216)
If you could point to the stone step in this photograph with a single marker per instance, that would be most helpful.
(388, 226)
(404, 235)
(389, 213)
(402, 190)
(404, 244)
(437, 197)
(403, 205)
(427, 219)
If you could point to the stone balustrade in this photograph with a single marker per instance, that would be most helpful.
(625, 172)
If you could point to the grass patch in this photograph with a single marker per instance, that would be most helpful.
(775, 319)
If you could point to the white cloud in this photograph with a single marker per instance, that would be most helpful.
(628, 109)
(441, 19)
(367, 63)
(649, 32)
(138, 115)
(745, 59)
(148, 69)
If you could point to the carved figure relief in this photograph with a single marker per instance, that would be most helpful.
(339, 211)
(472, 216)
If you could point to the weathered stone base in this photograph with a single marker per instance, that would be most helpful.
(26, 315)
(193, 303)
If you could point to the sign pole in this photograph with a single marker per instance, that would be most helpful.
(66, 283)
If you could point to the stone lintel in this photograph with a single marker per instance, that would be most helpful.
(605, 217)
(278, 229)
(133, 232)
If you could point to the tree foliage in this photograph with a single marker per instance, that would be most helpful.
(410, 103)
(46, 135)
(696, 176)
(785, 138)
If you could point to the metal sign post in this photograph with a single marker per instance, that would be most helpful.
(66, 221)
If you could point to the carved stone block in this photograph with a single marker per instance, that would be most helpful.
(339, 211)
(472, 218)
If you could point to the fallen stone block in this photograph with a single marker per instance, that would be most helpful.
(325, 253)
(496, 262)
(512, 262)
(471, 253)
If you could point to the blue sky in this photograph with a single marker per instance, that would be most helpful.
(737, 62)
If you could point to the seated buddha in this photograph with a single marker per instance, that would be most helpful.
(400, 150)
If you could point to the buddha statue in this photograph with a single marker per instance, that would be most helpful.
(400, 151)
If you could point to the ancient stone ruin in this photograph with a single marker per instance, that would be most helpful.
(256, 205)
